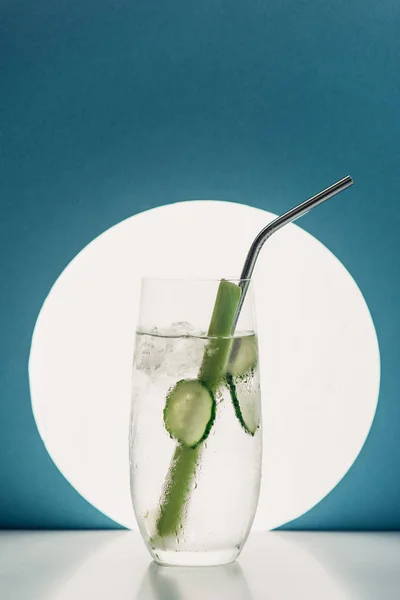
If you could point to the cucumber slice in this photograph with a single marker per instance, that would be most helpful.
(245, 397)
(189, 412)
(244, 355)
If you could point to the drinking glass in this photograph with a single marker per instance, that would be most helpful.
(195, 427)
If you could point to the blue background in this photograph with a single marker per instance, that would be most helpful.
(112, 107)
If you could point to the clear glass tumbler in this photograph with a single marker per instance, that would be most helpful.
(195, 428)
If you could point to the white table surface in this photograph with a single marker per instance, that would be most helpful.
(115, 565)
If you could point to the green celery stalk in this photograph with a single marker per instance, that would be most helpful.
(182, 470)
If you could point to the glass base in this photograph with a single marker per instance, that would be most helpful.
(212, 558)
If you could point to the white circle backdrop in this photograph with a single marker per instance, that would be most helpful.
(319, 354)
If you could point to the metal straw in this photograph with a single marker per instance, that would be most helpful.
(287, 217)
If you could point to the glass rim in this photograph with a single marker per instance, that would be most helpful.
(196, 279)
